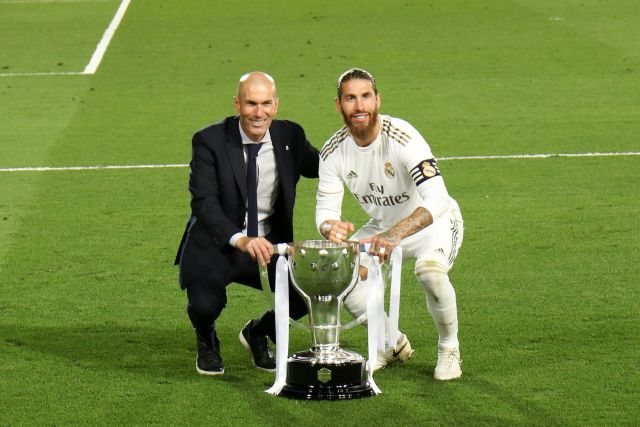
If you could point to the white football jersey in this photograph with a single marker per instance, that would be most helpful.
(390, 178)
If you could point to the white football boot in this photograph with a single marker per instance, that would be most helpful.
(401, 352)
(449, 364)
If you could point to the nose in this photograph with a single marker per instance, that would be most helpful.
(359, 104)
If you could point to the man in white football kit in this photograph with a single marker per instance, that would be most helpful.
(390, 170)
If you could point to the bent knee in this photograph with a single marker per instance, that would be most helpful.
(433, 276)
(430, 266)
(208, 303)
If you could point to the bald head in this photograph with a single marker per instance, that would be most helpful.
(256, 103)
(256, 80)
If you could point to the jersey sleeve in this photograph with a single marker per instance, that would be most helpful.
(423, 167)
(330, 192)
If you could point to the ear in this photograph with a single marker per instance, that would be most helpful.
(338, 106)
(276, 101)
(378, 100)
(236, 104)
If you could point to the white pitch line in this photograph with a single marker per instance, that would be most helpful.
(184, 165)
(86, 168)
(96, 58)
(98, 54)
(540, 156)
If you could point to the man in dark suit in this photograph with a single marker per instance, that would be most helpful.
(221, 244)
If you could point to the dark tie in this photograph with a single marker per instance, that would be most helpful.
(252, 190)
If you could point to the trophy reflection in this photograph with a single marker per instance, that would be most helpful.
(323, 272)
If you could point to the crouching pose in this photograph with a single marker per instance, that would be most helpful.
(390, 170)
(244, 172)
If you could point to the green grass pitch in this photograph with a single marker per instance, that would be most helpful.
(93, 329)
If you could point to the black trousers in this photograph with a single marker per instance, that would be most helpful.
(206, 287)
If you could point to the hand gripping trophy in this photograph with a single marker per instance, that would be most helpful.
(323, 272)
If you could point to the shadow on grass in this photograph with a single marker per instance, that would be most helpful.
(166, 357)
(155, 353)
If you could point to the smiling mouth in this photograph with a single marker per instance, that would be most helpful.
(361, 117)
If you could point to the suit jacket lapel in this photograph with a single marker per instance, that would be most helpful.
(280, 149)
(236, 155)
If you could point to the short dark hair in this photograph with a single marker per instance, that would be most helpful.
(354, 74)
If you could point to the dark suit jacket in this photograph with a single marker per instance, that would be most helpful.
(218, 187)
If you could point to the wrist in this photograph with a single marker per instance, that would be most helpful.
(242, 242)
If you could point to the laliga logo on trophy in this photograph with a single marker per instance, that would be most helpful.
(323, 272)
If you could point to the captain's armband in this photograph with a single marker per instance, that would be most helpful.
(424, 171)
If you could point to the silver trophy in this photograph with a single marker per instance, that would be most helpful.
(323, 272)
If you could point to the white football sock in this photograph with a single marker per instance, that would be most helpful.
(441, 303)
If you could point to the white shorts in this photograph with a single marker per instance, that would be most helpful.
(438, 242)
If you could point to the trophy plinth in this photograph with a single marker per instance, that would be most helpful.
(323, 272)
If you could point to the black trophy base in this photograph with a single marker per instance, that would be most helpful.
(326, 381)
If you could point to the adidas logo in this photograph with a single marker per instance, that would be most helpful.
(440, 251)
(352, 175)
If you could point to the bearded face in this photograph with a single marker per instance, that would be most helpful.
(362, 125)
(359, 106)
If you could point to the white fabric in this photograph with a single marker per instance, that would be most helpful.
(437, 243)
(390, 179)
(441, 304)
(282, 323)
(379, 176)
(394, 297)
(440, 241)
(267, 184)
(375, 314)
(356, 301)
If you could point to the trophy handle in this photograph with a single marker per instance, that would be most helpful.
(266, 289)
(282, 249)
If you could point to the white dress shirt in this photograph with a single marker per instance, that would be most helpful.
(267, 185)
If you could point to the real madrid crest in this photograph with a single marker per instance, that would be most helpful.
(428, 170)
(389, 171)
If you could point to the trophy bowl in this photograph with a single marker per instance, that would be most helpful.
(323, 272)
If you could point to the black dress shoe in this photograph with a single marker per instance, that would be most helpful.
(208, 360)
(258, 347)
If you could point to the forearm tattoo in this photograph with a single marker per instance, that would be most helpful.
(419, 219)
